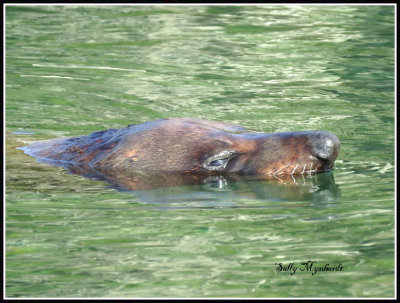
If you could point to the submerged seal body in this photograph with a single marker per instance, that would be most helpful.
(190, 146)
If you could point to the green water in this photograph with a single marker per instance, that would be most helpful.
(74, 70)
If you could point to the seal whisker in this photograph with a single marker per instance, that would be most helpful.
(277, 178)
(281, 169)
(294, 169)
(304, 168)
(310, 171)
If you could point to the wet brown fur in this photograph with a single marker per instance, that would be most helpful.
(181, 145)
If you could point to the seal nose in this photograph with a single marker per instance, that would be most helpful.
(326, 146)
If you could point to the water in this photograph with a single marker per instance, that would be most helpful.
(72, 70)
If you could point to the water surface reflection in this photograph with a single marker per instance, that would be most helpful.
(220, 191)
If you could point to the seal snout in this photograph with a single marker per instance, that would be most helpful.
(326, 146)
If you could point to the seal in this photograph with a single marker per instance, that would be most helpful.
(192, 147)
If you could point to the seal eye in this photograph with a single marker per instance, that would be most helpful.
(219, 161)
